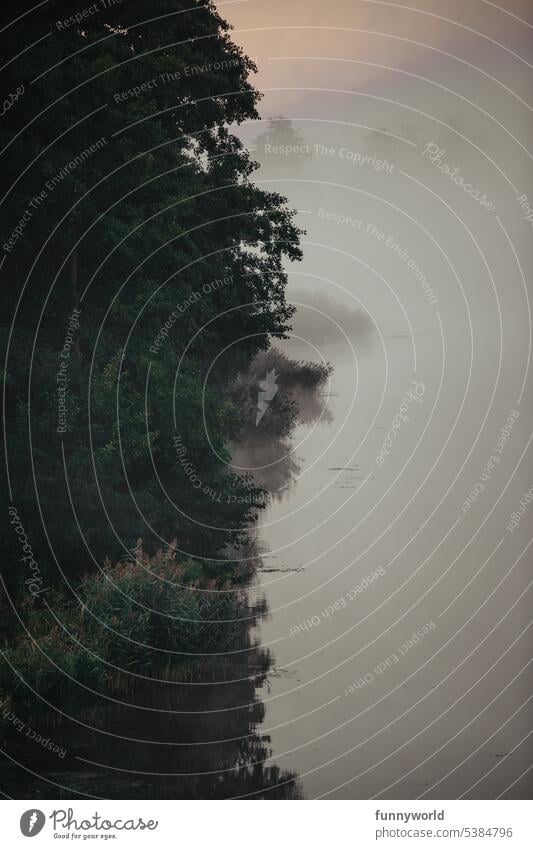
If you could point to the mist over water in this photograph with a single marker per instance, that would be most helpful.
(353, 496)
(347, 693)
(410, 681)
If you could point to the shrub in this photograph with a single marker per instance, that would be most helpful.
(129, 618)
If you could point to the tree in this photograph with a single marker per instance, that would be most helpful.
(126, 197)
(282, 147)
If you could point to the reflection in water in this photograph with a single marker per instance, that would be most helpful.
(271, 463)
(194, 740)
(268, 453)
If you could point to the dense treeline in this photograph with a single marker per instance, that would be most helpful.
(142, 272)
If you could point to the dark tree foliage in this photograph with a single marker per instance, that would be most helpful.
(126, 196)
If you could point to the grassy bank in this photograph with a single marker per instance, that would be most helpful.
(149, 618)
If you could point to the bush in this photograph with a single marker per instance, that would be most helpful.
(130, 617)
(294, 379)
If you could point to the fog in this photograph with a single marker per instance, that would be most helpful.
(406, 158)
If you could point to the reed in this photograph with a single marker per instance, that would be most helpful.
(144, 617)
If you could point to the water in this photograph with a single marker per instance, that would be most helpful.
(360, 707)
(328, 693)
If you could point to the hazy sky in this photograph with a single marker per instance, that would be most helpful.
(383, 33)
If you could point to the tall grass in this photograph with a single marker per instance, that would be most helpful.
(151, 617)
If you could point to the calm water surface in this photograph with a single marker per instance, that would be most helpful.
(329, 693)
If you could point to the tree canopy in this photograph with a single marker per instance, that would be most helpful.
(142, 270)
